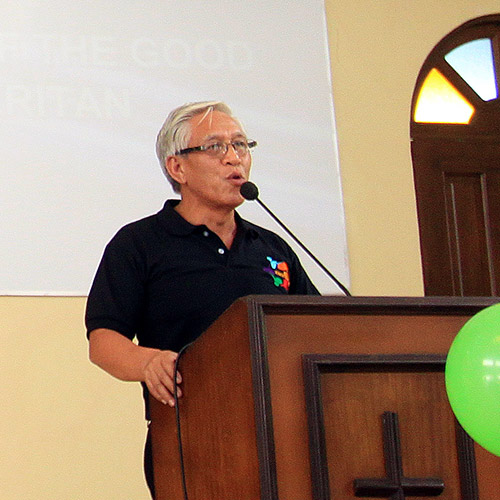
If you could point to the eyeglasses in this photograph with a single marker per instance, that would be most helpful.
(219, 149)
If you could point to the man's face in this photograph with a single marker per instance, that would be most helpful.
(211, 181)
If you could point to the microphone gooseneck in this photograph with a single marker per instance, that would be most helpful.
(250, 192)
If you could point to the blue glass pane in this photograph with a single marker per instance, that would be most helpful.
(473, 61)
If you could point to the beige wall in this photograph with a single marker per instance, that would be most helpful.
(69, 431)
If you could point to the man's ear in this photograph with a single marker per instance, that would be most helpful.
(175, 168)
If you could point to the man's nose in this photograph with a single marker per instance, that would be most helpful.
(231, 155)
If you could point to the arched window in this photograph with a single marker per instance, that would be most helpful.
(455, 133)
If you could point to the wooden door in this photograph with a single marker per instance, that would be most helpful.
(458, 199)
(456, 163)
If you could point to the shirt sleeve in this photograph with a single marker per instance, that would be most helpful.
(116, 297)
(300, 284)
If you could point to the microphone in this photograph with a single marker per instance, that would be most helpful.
(250, 192)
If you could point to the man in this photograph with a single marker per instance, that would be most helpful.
(164, 279)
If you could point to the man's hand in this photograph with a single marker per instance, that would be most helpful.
(159, 376)
(125, 360)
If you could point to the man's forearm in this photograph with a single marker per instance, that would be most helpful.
(123, 359)
(118, 355)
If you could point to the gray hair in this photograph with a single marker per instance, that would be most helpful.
(175, 132)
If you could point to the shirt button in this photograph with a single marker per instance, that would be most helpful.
(221, 251)
(206, 234)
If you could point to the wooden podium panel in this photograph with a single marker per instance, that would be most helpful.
(318, 398)
(409, 430)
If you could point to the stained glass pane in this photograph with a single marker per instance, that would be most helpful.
(474, 62)
(440, 102)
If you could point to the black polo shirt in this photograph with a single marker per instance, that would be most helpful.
(164, 280)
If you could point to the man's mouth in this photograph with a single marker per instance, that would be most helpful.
(236, 178)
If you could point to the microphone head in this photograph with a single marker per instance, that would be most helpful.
(249, 191)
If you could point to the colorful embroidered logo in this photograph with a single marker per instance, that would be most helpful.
(280, 273)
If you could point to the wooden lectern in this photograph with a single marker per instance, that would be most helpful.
(322, 398)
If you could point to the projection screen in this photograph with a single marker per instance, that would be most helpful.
(85, 88)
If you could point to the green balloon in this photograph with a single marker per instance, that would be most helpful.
(472, 375)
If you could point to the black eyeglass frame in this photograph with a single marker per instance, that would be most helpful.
(185, 151)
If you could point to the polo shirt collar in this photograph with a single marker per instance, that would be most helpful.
(245, 226)
(175, 224)
(172, 221)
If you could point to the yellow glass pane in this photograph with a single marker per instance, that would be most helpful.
(440, 102)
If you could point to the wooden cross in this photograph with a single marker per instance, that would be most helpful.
(396, 486)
